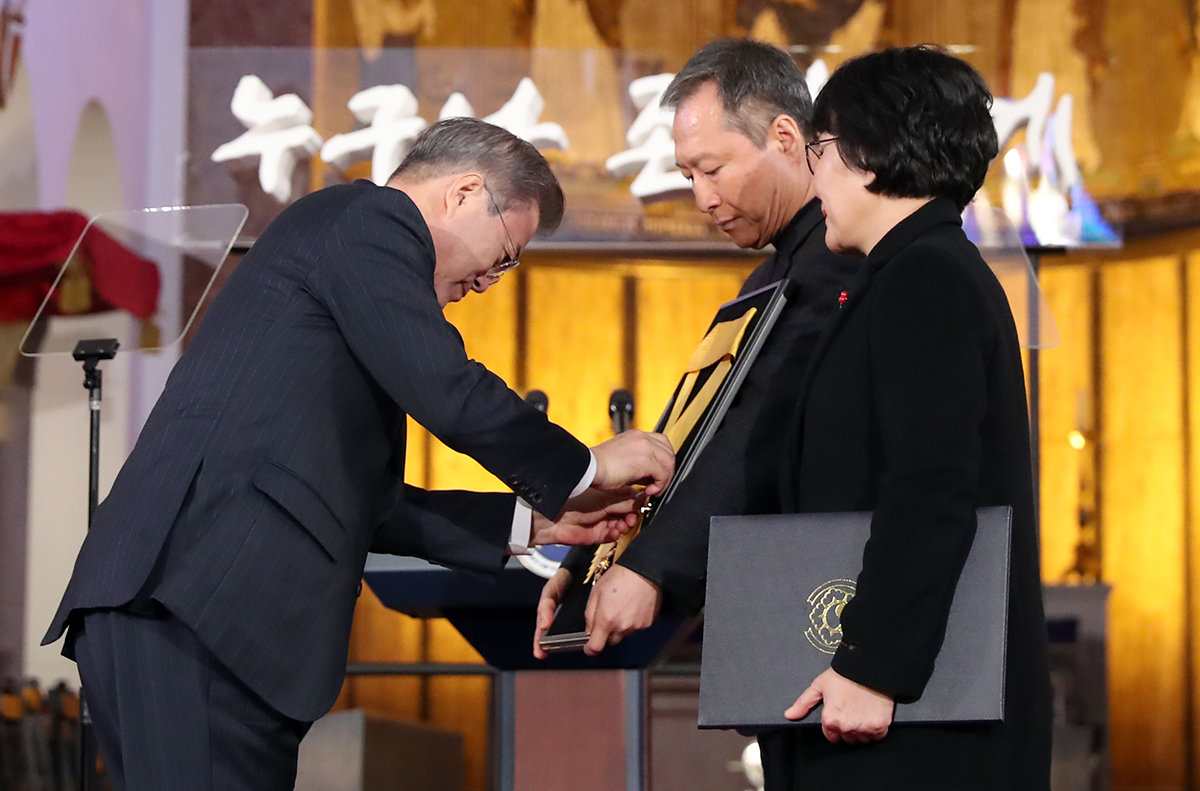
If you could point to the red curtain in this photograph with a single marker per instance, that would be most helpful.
(33, 247)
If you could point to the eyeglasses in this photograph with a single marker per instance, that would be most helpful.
(814, 150)
(511, 260)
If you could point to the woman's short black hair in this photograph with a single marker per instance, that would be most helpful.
(917, 117)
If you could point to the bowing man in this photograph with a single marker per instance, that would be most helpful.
(210, 606)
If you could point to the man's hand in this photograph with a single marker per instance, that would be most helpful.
(552, 593)
(634, 457)
(853, 713)
(621, 603)
(593, 517)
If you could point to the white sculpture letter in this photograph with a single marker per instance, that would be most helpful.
(1033, 112)
(1056, 210)
(456, 106)
(816, 77)
(391, 112)
(278, 131)
(520, 114)
(651, 145)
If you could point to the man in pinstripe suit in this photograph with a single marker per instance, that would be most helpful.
(211, 603)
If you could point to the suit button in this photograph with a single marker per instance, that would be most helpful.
(534, 497)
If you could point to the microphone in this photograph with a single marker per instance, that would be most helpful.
(620, 410)
(538, 400)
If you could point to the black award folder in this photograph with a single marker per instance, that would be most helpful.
(776, 588)
(699, 402)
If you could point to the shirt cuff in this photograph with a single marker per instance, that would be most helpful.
(522, 524)
(522, 528)
(588, 476)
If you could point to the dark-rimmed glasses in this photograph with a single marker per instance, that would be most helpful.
(813, 151)
(511, 260)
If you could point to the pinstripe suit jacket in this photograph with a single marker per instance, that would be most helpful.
(273, 461)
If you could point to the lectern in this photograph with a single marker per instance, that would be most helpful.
(570, 721)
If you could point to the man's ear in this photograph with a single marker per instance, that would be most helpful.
(785, 132)
(462, 188)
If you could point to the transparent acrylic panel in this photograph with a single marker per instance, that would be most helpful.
(135, 261)
(270, 124)
(1001, 246)
(273, 124)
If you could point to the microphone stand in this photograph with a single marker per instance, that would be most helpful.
(90, 353)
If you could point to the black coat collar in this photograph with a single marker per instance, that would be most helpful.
(938, 211)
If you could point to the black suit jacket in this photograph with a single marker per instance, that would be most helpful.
(914, 408)
(273, 460)
(738, 472)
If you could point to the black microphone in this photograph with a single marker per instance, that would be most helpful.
(538, 400)
(620, 410)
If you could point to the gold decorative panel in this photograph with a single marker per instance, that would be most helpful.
(488, 325)
(381, 635)
(576, 344)
(1068, 482)
(1192, 542)
(1142, 497)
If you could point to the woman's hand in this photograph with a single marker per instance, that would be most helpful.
(852, 713)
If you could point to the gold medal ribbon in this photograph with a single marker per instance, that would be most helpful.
(718, 348)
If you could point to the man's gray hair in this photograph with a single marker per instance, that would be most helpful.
(515, 172)
(756, 82)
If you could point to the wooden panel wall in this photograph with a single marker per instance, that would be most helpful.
(576, 343)
(488, 325)
(1192, 540)
(1068, 482)
(1130, 321)
(1143, 501)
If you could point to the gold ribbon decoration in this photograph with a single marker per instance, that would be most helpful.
(718, 348)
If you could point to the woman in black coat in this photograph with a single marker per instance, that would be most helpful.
(913, 408)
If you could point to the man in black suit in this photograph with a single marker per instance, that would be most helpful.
(211, 603)
(742, 118)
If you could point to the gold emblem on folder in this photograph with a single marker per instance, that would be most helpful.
(825, 617)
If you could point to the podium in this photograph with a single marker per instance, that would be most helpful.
(569, 721)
